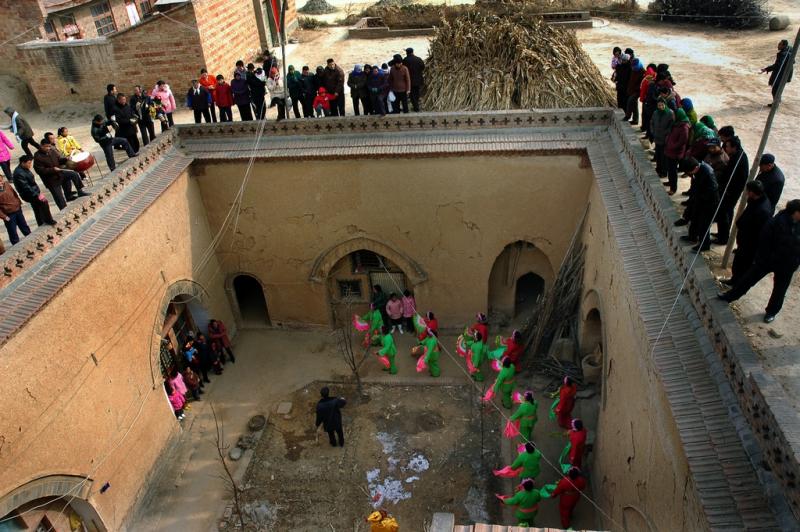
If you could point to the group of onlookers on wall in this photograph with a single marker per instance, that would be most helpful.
(690, 143)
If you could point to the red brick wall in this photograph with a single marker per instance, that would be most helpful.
(228, 32)
(79, 71)
(16, 16)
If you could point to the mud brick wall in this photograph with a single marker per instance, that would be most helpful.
(17, 17)
(78, 71)
(85, 20)
(228, 32)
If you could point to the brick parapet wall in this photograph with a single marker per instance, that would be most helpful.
(771, 434)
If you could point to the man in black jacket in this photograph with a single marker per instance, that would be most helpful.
(748, 228)
(258, 91)
(731, 184)
(110, 101)
(30, 192)
(772, 178)
(329, 415)
(141, 104)
(780, 67)
(778, 253)
(47, 162)
(704, 199)
(416, 67)
(103, 134)
(198, 99)
(308, 88)
(127, 121)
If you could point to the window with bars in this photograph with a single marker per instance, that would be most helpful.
(103, 19)
(145, 8)
(350, 289)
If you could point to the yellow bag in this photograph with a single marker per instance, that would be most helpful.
(382, 522)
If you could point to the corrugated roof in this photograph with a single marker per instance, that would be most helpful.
(53, 6)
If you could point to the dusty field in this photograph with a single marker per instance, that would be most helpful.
(412, 450)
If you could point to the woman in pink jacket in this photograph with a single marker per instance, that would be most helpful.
(394, 308)
(163, 92)
(5, 155)
(409, 308)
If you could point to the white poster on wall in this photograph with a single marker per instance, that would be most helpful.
(133, 14)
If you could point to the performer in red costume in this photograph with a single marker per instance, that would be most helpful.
(569, 489)
(577, 441)
(482, 326)
(566, 402)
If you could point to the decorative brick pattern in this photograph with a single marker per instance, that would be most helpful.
(44, 239)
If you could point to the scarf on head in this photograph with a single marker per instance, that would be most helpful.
(680, 116)
(708, 121)
(703, 132)
(687, 104)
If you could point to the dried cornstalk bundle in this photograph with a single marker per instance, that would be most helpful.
(488, 62)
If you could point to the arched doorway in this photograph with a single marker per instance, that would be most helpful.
(592, 335)
(530, 287)
(57, 502)
(251, 301)
(519, 276)
(184, 314)
(352, 277)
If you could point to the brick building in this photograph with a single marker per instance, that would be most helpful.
(84, 45)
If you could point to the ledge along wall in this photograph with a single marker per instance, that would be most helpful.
(673, 444)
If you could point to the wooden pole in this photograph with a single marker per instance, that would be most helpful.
(283, 58)
(762, 146)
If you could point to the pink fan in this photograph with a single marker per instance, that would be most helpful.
(502, 497)
(496, 365)
(470, 366)
(507, 472)
(512, 429)
(461, 346)
(520, 448)
(385, 361)
(518, 397)
(421, 365)
(360, 324)
(489, 395)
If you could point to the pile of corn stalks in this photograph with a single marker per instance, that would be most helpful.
(488, 62)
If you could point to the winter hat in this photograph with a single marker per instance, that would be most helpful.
(687, 104)
(397, 58)
(767, 158)
(357, 69)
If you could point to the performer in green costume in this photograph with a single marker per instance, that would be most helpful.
(388, 349)
(528, 460)
(505, 382)
(477, 354)
(431, 353)
(527, 502)
(526, 414)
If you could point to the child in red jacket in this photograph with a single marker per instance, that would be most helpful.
(322, 102)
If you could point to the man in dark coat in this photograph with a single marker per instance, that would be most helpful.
(141, 104)
(704, 199)
(205, 355)
(329, 415)
(731, 184)
(47, 163)
(110, 101)
(772, 178)
(780, 67)
(748, 228)
(778, 253)
(30, 192)
(198, 99)
(333, 81)
(416, 68)
(103, 134)
(623, 76)
(22, 130)
(258, 91)
(127, 121)
(308, 87)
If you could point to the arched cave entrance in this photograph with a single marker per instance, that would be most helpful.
(592, 336)
(351, 279)
(530, 287)
(519, 276)
(55, 502)
(185, 317)
(251, 301)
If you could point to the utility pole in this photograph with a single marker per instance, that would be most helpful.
(282, 37)
(786, 68)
